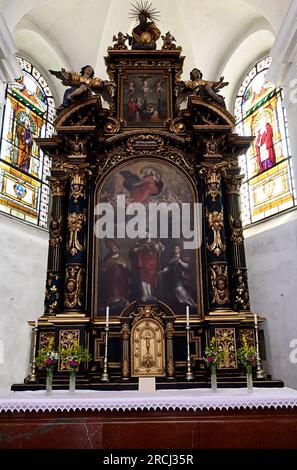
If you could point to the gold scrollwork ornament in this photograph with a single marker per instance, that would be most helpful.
(225, 340)
(45, 338)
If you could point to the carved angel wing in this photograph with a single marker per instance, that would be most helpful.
(182, 94)
(106, 90)
(61, 75)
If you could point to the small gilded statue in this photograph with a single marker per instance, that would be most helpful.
(120, 40)
(146, 33)
(168, 41)
(82, 85)
(205, 89)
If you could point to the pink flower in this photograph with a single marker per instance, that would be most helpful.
(73, 363)
(251, 359)
(49, 362)
(210, 359)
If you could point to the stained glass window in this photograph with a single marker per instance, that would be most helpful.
(29, 112)
(267, 187)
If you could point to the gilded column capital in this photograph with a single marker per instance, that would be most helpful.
(58, 185)
(212, 172)
(233, 183)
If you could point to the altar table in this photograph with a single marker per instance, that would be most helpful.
(166, 419)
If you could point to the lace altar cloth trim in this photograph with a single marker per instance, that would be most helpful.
(193, 399)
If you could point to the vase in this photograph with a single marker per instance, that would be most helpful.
(213, 378)
(249, 378)
(72, 378)
(49, 380)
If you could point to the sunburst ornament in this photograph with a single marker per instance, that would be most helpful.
(144, 8)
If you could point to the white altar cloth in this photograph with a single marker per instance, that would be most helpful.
(190, 399)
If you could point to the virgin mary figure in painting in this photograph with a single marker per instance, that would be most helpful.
(141, 190)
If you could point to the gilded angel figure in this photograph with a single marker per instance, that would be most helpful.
(82, 85)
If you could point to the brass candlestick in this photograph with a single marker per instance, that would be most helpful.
(260, 372)
(32, 377)
(105, 376)
(189, 374)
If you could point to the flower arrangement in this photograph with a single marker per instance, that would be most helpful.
(213, 356)
(246, 355)
(74, 355)
(47, 357)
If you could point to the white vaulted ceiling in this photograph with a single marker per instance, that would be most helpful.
(218, 36)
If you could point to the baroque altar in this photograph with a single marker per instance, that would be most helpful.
(142, 139)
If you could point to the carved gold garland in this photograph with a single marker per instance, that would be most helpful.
(75, 225)
(215, 221)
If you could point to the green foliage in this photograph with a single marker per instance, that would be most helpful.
(47, 357)
(213, 356)
(246, 355)
(74, 355)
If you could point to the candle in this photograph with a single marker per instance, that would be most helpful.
(188, 315)
(255, 319)
(107, 315)
(36, 323)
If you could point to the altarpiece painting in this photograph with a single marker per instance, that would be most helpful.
(147, 268)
